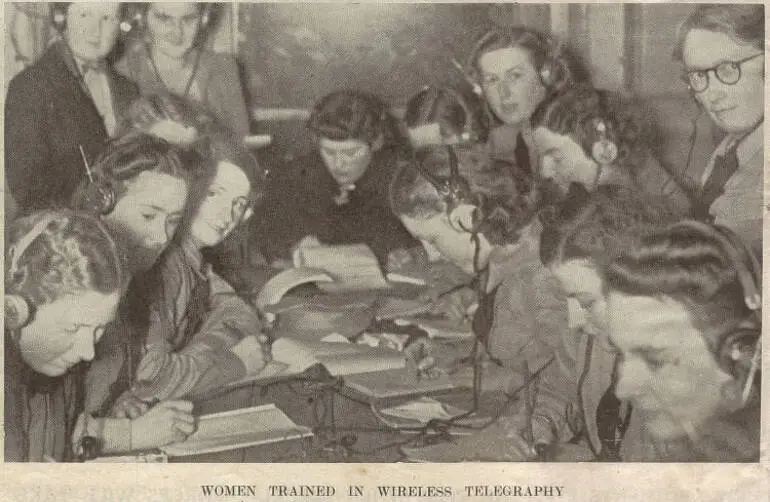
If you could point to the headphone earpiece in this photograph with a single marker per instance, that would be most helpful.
(603, 151)
(464, 217)
(98, 198)
(18, 312)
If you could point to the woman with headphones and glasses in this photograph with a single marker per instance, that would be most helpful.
(722, 49)
(65, 106)
(63, 283)
(169, 52)
(685, 317)
(593, 137)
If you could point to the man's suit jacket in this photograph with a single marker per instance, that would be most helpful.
(48, 115)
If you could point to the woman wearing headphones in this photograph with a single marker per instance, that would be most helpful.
(65, 107)
(514, 69)
(685, 316)
(574, 416)
(170, 54)
(62, 287)
(592, 137)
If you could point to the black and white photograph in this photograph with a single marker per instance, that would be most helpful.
(481, 235)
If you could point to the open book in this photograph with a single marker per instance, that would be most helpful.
(241, 428)
(335, 269)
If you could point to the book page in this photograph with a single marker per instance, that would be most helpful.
(353, 267)
(238, 429)
(277, 287)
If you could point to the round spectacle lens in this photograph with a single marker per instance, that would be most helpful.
(728, 73)
(698, 80)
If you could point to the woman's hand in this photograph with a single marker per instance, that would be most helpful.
(129, 406)
(251, 351)
(167, 422)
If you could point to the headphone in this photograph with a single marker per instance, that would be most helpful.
(463, 209)
(552, 72)
(99, 196)
(604, 151)
(19, 311)
(431, 133)
(739, 350)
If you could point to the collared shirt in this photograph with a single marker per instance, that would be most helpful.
(740, 207)
(98, 85)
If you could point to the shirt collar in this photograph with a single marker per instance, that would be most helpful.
(193, 256)
(751, 145)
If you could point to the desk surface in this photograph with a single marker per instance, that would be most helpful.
(345, 419)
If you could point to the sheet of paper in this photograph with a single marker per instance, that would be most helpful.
(275, 289)
(238, 429)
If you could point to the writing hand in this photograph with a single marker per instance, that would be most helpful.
(167, 422)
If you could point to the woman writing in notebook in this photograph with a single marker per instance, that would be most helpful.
(62, 286)
(171, 54)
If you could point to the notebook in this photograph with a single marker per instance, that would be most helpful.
(396, 383)
(352, 268)
(235, 429)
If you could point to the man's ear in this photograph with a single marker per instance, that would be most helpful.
(378, 143)
(247, 214)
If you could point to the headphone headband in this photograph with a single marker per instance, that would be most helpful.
(17, 250)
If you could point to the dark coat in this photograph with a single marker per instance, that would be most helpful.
(300, 202)
(48, 114)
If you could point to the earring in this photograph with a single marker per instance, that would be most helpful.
(59, 18)
(125, 26)
(604, 151)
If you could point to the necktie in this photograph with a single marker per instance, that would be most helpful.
(197, 308)
(610, 424)
(724, 167)
(95, 78)
(522, 174)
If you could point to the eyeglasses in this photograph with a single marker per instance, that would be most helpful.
(728, 72)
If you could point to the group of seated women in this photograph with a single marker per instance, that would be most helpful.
(630, 291)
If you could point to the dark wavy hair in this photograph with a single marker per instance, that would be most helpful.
(456, 112)
(352, 114)
(492, 189)
(743, 23)
(577, 112)
(600, 225)
(74, 252)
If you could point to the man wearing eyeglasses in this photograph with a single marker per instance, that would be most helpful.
(722, 50)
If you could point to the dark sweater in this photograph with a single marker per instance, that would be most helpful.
(301, 202)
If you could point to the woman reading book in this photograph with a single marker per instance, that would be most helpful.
(338, 194)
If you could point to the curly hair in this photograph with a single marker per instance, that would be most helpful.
(70, 252)
(690, 264)
(352, 114)
(490, 187)
(744, 23)
(599, 226)
(456, 113)
(577, 113)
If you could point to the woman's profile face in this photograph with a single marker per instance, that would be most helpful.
(586, 305)
(173, 27)
(346, 160)
(511, 84)
(563, 160)
(64, 331)
(666, 369)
